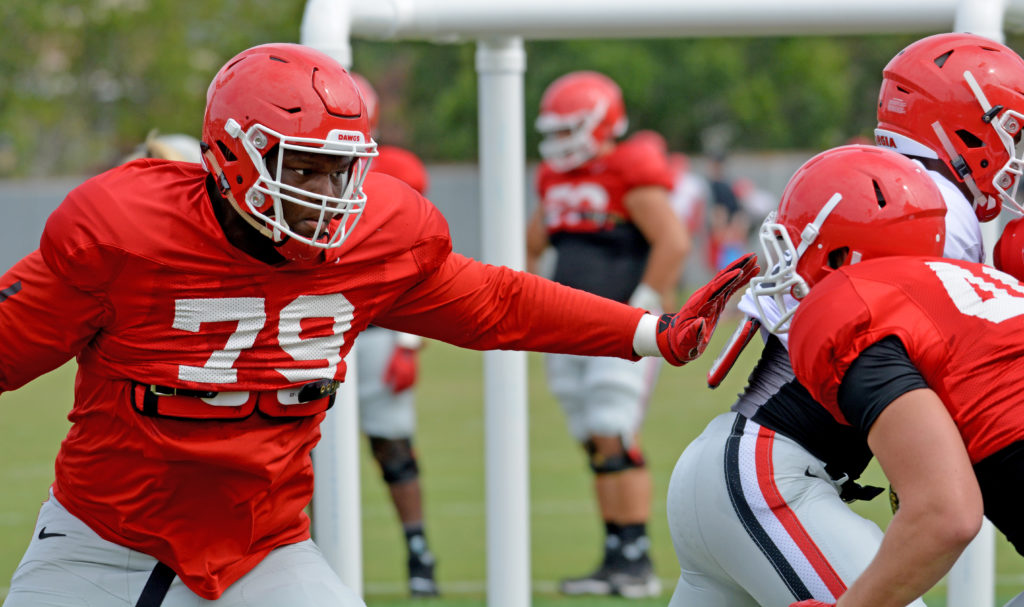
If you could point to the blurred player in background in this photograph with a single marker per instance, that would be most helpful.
(603, 206)
(171, 146)
(926, 83)
(210, 308)
(386, 367)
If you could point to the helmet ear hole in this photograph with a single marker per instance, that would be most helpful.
(226, 151)
(970, 139)
(837, 257)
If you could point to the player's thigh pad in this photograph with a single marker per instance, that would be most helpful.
(751, 509)
(381, 412)
(616, 395)
(81, 569)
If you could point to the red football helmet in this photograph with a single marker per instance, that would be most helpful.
(578, 112)
(958, 98)
(286, 97)
(370, 98)
(1008, 254)
(845, 205)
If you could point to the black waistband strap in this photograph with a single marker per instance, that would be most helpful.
(157, 585)
(307, 392)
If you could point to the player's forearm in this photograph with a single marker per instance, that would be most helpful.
(914, 555)
(922, 453)
(483, 307)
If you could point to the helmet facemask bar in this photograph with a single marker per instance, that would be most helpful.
(1008, 178)
(781, 276)
(782, 256)
(1007, 126)
(337, 215)
(566, 152)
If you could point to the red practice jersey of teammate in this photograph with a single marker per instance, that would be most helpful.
(959, 321)
(402, 164)
(590, 198)
(135, 277)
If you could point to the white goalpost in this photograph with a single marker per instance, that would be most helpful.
(499, 28)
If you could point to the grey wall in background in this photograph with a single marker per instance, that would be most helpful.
(455, 189)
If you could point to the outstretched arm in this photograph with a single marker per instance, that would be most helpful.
(483, 307)
(921, 452)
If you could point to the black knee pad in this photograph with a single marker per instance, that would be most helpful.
(624, 459)
(396, 459)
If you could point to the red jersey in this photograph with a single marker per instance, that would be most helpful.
(959, 322)
(589, 198)
(600, 249)
(402, 164)
(135, 278)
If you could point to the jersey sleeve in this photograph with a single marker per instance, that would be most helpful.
(643, 165)
(479, 306)
(850, 310)
(44, 321)
(821, 338)
(71, 241)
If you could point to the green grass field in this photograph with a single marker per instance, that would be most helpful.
(566, 533)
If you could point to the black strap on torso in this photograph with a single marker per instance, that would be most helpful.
(157, 585)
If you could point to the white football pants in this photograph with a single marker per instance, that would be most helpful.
(755, 520)
(80, 569)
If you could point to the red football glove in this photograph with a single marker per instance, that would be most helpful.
(400, 374)
(683, 336)
(812, 603)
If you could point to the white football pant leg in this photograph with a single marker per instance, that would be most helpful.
(752, 512)
(382, 413)
(71, 566)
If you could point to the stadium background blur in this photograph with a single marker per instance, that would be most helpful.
(82, 82)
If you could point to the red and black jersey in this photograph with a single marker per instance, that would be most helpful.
(600, 250)
(136, 279)
(960, 323)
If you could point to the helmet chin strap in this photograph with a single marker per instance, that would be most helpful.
(225, 191)
(960, 166)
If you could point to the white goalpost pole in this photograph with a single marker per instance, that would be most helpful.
(500, 64)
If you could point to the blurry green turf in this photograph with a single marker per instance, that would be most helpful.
(566, 533)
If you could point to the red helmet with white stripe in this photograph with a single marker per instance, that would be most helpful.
(958, 98)
(276, 98)
(579, 111)
(845, 205)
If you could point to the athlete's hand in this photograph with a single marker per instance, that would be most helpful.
(400, 374)
(812, 603)
(683, 336)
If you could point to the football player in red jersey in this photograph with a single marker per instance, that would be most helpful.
(604, 208)
(210, 307)
(755, 503)
(386, 366)
(777, 432)
(904, 348)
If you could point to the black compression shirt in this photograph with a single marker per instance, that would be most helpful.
(882, 373)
